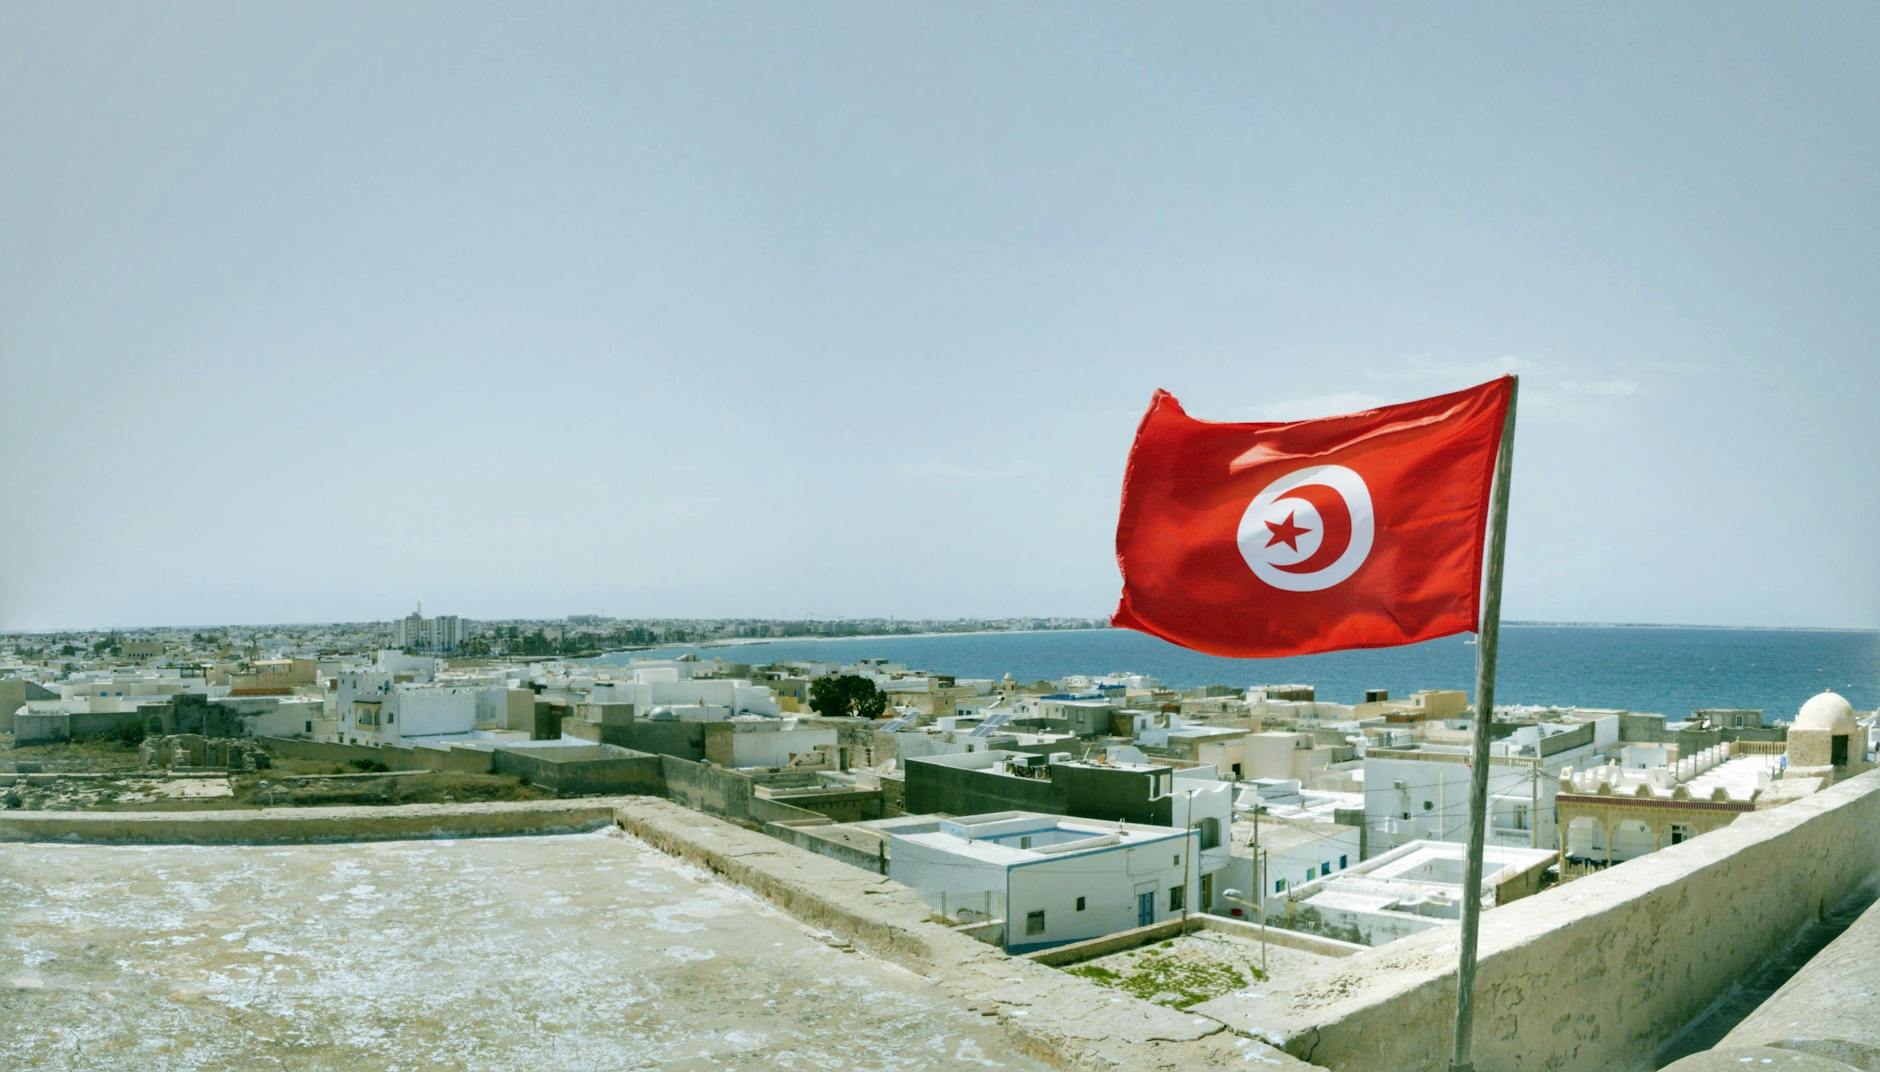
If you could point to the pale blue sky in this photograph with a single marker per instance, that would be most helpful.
(310, 310)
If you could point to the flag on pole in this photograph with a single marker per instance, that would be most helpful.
(1287, 538)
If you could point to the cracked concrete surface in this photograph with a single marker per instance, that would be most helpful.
(584, 951)
(992, 1010)
(1067, 1020)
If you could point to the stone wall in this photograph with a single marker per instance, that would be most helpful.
(195, 750)
(1810, 1014)
(1061, 1018)
(841, 805)
(395, 757)
(41, 728)
(1090, 949)
(712, 790)
(662, 738)
(287, 825)
(936, 787)
(582, 771)
(893, 795)
(803, 836)
(1598, 973)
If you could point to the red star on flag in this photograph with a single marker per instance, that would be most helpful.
(1286, 532)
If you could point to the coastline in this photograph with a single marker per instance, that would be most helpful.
(729, 642)
(734, 642)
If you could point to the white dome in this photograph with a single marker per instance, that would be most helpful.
(1828, 711)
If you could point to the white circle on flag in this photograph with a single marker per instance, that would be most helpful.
(1308, 530)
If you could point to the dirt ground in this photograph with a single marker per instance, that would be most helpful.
(69, 755)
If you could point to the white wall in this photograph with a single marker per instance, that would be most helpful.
(740, 697)
(428, 712)
(1444, 787)
(270, 717)
(1301, 862)
(1108, 880)
(913, 744)
(1644, 756)
(777, 747)
(1374, 928)
(948, 880)
(421, 667)
(1209, 800)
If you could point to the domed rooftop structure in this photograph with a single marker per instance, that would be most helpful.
(1829, 712)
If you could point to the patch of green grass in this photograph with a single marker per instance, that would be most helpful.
(1167, 979)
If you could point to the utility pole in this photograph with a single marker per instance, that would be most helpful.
(1188, 850)
(1259, 881)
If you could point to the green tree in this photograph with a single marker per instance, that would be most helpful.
(845, 695)
(870, 702)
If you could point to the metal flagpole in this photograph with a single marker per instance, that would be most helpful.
(1478, 758)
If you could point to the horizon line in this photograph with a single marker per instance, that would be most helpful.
(1098, 622)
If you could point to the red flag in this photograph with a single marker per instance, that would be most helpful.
(1287, 538)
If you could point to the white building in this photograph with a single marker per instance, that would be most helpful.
(945, 738)
(373, 708)
(1053, 879)
(1291, 853)
(1422, 792)
(707, 699)
(776, 743)
(442, 634)
(1410, 889)
(131, 686)
(406, 666)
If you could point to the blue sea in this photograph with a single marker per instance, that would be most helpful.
(1668, 670)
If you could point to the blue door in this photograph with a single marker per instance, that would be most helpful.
(1145, 908)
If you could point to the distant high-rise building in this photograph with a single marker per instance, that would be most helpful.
(440, 635)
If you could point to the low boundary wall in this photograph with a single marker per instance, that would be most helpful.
(1061, 1018)
(1092, 948)
(796, 832)
(1815, 1012)
(1598, 973)
(573, 771)
(713, 790)
(287, 825)
(395, 757)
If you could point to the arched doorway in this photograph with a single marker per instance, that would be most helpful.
(1632, 838)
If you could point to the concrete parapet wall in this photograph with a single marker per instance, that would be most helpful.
(840, 805)
(1596, 974)
(796, 834)
(1092, 948)
(1824, 1010)
(713, 790)
(269, 825)
(1061, 1018)
(1305, 943)
(767, 810)
(576, 775)
(685, 740)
